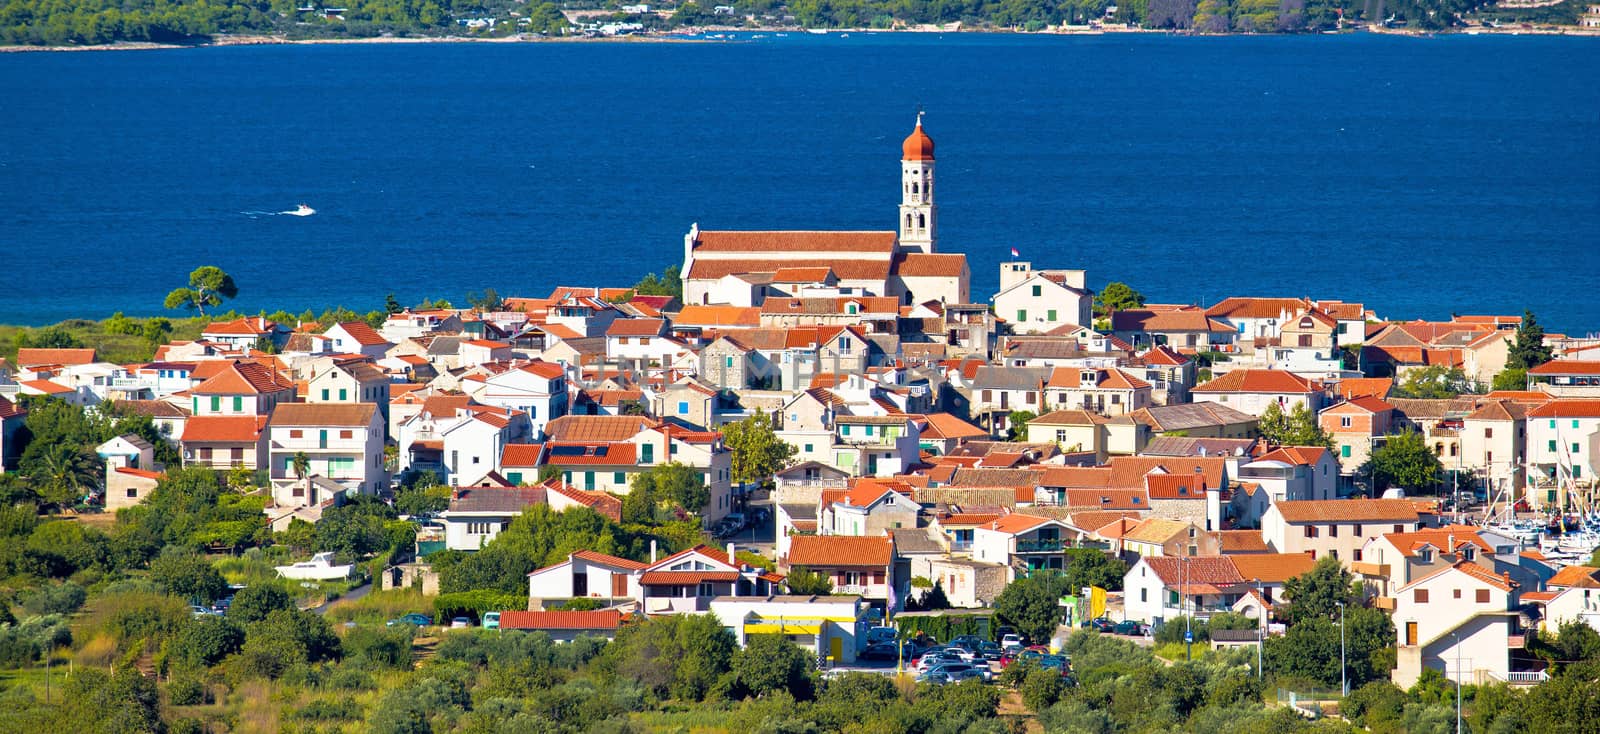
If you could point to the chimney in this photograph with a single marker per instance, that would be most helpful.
(731, 559)
(652, 552)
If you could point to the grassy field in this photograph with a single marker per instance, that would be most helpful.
(118, 348)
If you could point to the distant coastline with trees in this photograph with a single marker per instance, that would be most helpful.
(140, 23)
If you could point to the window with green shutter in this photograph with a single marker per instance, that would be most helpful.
(649, 455)
(515, 477)
(324, 395)
(238, 404)
(341, 394)
(619, 478)
(216, 403)
(1050, 315)
(1022, 314)
(1038, 291)
(1551, 445)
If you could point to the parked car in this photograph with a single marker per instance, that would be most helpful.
(1011, 642)
(1055, 662)
(200, 611)
(1130, 627)
(419, 620)
(966, 642)
(879, 651)
(989, 651)
(460, 623)
(1100, 624)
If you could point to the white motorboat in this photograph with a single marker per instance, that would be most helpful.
(301, 211)
(319, 568)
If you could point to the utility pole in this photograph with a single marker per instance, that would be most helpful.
(1188, 632)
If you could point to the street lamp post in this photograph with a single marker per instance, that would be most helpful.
(1344, 682)
(1188, 633)
(1456, 637)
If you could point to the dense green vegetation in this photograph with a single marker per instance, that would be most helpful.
(72, 22)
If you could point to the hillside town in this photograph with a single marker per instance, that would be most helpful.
(926, 441)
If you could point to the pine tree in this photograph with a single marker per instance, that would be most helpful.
(1528, 349)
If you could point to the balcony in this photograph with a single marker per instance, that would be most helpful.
(1522, 677)
(1040, 545)
(1375, 570)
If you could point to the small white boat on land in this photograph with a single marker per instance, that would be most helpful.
(319, 568)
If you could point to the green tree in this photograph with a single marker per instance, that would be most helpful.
(208, 640)
(1017, 424)
(770, 663)
(208, 286)
(680, 484)
(187, 574)
(1435, 382)
(1032, 604)
(1116, 297)
(391, 305)
(758, 453)
(1090, 567)
(1510, 378)
(254, 603)
(804, 581)
(1528, 349)
(62, 473)
(1319, 592)
(1404, 460)
(102, 703)
(668, 283)
(1042, 688)
(1298, 428)
(422, 499)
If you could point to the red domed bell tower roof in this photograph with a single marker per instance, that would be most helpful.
(918, 146)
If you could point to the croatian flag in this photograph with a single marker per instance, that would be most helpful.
(1014, 252)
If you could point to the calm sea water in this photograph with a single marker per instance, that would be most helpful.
(1421, 176)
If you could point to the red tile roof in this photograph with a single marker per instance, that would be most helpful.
(364, 335)
(348, 415)
(1567, 408)
(1271, 568)
(1350, 510)
(567, 453)
(45, 386)
(244, 378)
(1580, 576)
(1245, 307)
(1354, 387)
(1163, 355)
(31, 356)
(1175, 486)
(1106, 379)
(248, 326)
(9, 409)
(794, 241)
(1176, 570)
(696, 315)
(945, 426)
(1296, 455)
(224, 428)
(686, 578)
(636, 327)
(613, 561)
(835, 551)
(599, 619)
(142, 473)
(865, 269)
(1015, 523)
(918, 265)
(1258, 381)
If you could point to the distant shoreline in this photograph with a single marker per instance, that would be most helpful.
(271, 40)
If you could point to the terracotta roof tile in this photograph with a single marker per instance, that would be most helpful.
(322, 414)
(613, 561)
(1214, 570)
(794, 241)
(1241, 541)
(599, 619)
(564, 453)
(1015, 523)
(585, 428)
(244, 378)
(1175, 486)
(1258, 381)
(1567, 408)
(1272, 567)
(31, 356)
(921, 265)
(686, 578)
(1348, 510)
(1580, 576)
(224, 429)
(364, 334)
(834, 551)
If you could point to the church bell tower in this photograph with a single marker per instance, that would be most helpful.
(917, 211)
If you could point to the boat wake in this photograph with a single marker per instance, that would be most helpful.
(299, 211)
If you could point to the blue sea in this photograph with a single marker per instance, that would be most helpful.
(1421, 176)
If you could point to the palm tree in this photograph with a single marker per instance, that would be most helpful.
(301, 464)
(63, 471)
